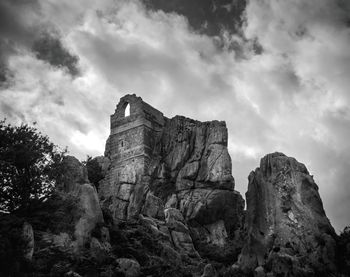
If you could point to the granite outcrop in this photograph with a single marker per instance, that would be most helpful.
(288, 231)
(157, 164)
(176, 174)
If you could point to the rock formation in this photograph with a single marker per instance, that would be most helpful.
(166, 206)
(176, 173)
(288, 231)
(177, 163)
(88, 213)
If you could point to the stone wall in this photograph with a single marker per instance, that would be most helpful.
(131, 136)
(129, 148)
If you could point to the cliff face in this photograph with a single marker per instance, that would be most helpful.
(288, 231)
(158, 164)
(191, 171)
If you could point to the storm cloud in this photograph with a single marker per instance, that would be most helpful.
(279, 77)
(23, 28)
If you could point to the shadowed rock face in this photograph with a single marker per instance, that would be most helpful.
(179, 163)
(191, 171)
(288, 231)
(76, 184)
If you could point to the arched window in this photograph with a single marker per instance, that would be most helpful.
(127, 110)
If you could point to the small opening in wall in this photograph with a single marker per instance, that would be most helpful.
(127, 110)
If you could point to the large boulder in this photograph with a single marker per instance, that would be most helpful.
(88, 213)
(288, 231)
(73, 174)
(97, 169)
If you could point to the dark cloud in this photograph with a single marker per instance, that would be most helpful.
(3, 74)
(209, 17)
(17, 19)
(50, 49)
(13, 30)
(22, 27)
(220, 19)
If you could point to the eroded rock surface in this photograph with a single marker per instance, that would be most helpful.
(178, 163)
(91, 213)
(179, 232)
(88, 212)
(192, 173)
(288, 231)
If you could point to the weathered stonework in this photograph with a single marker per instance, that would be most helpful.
(132, 137)
(158, 163)
(129, 148)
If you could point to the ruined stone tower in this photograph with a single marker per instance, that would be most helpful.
(132, 135)
(135, 126)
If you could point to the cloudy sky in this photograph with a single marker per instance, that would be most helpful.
(278, 73)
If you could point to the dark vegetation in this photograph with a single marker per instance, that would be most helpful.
(94, 171)
(11, 246)
(53, 215)
(28, 167)
(134, 240)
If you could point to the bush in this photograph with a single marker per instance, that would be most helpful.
(94, 171)
(12, 262)
(27, 166)
(58, 214)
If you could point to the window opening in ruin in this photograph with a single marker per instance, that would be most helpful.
(127, 110)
